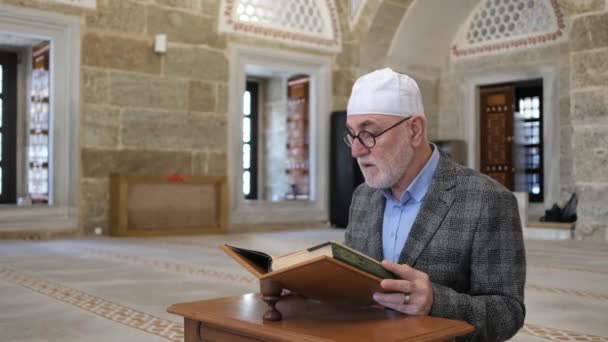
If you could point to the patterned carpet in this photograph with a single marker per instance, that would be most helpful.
(117, 289)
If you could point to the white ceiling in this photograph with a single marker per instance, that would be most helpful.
(427, 30)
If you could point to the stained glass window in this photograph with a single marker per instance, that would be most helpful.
(38, 127)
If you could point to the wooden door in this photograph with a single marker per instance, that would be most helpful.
(8, 127)
(496, 126)
(297, 138)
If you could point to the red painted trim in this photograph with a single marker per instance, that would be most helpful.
(174, 178)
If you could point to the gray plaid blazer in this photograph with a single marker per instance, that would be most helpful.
(467, 237)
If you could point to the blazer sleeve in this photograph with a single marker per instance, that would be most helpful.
(495, 302)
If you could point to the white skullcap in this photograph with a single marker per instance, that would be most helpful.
(385, 92)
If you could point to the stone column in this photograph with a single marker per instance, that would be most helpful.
(589, 117)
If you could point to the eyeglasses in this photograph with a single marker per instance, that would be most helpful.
(366, 138)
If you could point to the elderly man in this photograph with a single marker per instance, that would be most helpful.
(452, 235)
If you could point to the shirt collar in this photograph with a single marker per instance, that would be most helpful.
(419, 186)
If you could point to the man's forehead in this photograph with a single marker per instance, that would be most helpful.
(363, 120)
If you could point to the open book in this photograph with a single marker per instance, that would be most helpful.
(328, 272)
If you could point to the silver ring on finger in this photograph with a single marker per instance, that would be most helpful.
(406, 299)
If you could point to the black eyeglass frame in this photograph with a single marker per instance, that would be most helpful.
(349, 138)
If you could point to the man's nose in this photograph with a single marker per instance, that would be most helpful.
(357, 149)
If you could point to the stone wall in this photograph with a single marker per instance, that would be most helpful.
(365, 44)
(581, 85)
(589, 115)
(159, 113)
(518, 64)
(144, 112)
(375, 31)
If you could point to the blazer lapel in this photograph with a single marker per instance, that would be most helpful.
(374, 242)
(435, 206)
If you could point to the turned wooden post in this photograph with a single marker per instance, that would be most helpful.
(271, 294)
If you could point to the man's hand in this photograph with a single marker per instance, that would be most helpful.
(412, 294)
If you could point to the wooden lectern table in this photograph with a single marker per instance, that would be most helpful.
(233, 319)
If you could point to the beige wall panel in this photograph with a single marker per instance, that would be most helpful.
(222, 99)
(590, 106)
(576, 7)
(183, 27)
(202, 96)
(95, 86)
(125, 16)
(564, 112)
(589, 68)
(590, 148)
(217, 164)
(117, 52)
(100, 126)
(589, 32)
(196, 63)
(95, 204)
(131, 90)
(174, 131)
(102, 162)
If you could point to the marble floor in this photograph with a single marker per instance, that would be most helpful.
(117, 289)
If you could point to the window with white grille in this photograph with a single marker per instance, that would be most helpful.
(302, 22)
(503, 24)
(304, 16)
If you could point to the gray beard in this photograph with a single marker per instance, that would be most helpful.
(393, 171)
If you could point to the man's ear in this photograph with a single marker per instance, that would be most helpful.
(418, 127)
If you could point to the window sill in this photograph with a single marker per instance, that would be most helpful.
(37, 217)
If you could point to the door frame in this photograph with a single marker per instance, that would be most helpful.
(247, 60)
(64, 174)
(550, 114)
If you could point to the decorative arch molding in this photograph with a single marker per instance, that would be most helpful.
(508, 24)
(305, 23)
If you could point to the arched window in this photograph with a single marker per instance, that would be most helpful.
(310, 23)
(508, 24)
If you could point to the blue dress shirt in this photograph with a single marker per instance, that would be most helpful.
(399, 215)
